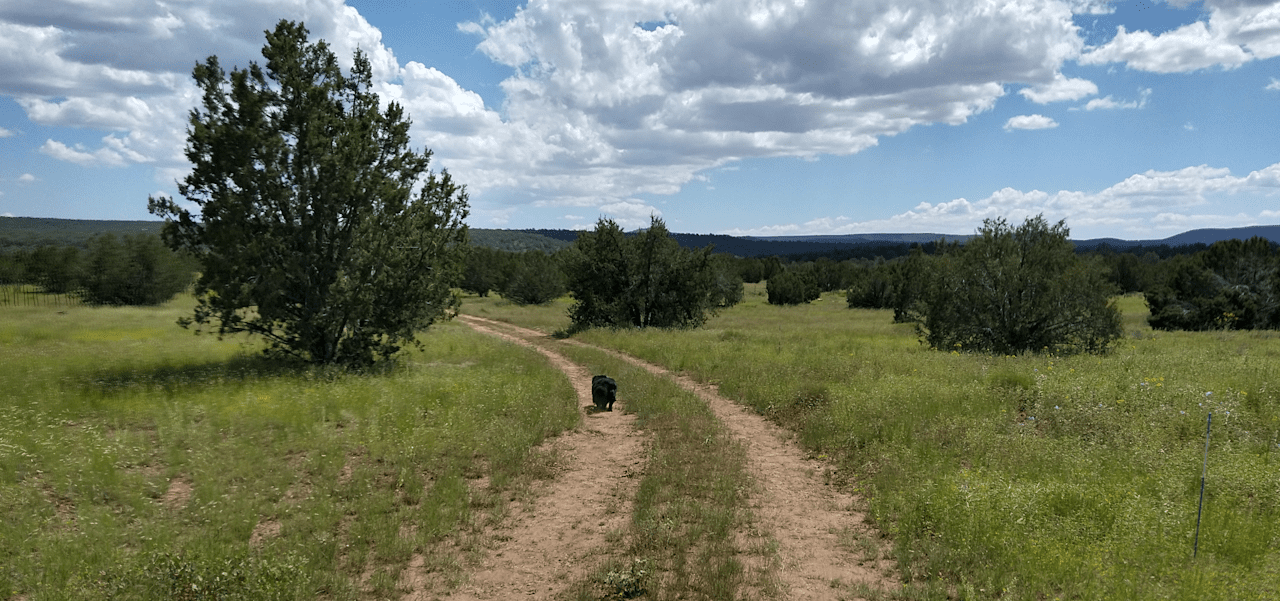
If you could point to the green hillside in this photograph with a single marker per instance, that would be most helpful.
(31, 232)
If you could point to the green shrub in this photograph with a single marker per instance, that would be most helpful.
(1011, 290)
(791, 288)
(188, 577)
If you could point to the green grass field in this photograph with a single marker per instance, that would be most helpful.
(1030, 477)
(138, 461)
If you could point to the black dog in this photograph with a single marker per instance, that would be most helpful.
(604, 391)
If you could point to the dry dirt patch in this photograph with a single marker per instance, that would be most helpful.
(178, 493)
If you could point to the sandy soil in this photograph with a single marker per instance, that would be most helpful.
(814, 524)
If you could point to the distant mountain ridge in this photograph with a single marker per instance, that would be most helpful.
(1197, 236)
(755, 246)
(34, 231)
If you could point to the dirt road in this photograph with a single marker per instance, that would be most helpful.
(815, 525)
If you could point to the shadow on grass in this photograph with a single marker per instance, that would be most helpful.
(176, 379)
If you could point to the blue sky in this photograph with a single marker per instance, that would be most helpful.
(1133, 119)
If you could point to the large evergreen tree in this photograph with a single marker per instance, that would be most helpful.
(309, 231)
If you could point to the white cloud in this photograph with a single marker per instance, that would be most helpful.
(5, 133)
(26, 178)
(1153, 204)
(82, 156)
(599, 110)
(1236, 33)
(1061, 88)
(630, 214)
(1107, 102)
(124, 67)
(602, 108)
(1274, 85)
(1029, 122)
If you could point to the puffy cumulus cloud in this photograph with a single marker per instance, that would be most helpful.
(1029, 122)
(630, 214)
(1236, 32)
(1146, 205)
(615, 99)
(81, 156)
(1274, 85)
(26, 178)
(1060, 89)
(5, 133)
(124, 66)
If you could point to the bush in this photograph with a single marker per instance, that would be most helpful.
(873, 288)
(198, 578)
(56, 269)
(1011, 290)
(484, 269)
(726, 285)
(792, 288)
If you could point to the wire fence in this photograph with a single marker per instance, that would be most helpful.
(27, 295)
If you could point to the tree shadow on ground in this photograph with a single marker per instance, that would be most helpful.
(173, 379)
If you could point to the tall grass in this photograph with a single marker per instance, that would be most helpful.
(1028, 477)
(140, 461)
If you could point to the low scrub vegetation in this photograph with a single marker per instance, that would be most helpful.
(1012, 289)
(137, 462)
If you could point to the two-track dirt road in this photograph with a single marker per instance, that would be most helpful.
(546, 546)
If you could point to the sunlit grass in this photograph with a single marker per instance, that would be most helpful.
(1027, 477)
(135, 456)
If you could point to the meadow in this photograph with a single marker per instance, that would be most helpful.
(1027, 477)
(138, 461)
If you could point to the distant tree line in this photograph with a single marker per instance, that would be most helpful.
(113, 270)
(30, 233)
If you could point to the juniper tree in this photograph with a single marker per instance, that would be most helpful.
(1014, 289)
(646, 280)
(318, 227)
